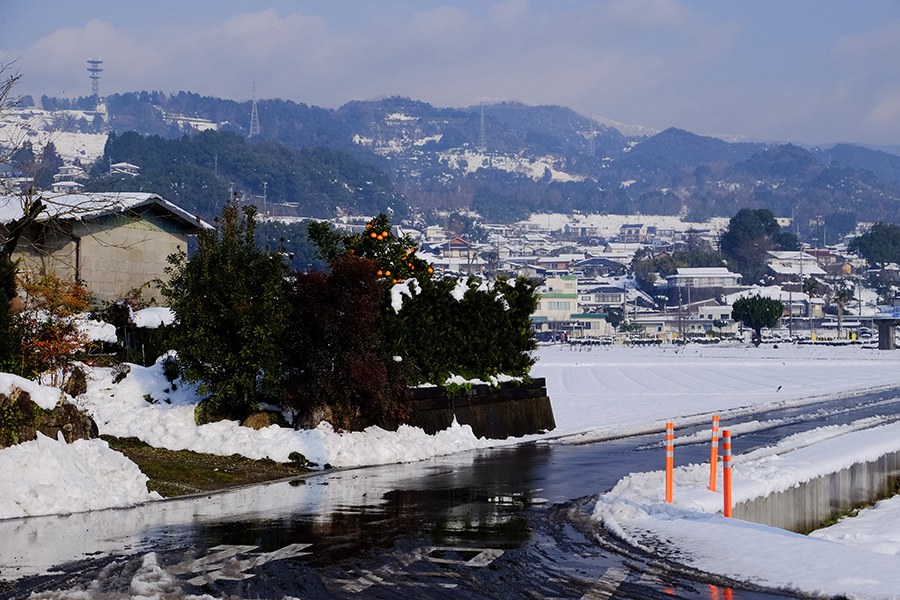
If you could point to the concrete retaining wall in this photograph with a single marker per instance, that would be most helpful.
(495, 413)
(806, 506)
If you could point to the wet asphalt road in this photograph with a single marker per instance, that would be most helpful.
(502, 523)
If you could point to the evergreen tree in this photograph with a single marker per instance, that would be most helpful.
(230, 307)
(880, 245)
(757, 312)
(751, 234)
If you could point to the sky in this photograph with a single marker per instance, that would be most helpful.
(813, 72)
(601, 393)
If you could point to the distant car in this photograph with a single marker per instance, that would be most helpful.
(544, 336)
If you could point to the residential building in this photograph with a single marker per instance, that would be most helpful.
(603, 296)
(633, 233)
(112, 242)
(557, 302)
(124, 168)
(703, 277)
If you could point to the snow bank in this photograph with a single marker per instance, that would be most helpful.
(146, 406)
(48, 476)
(692, 531)
(44, 396)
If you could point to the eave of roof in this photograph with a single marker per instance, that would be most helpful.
(94, 205)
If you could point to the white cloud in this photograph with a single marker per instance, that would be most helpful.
(659, 63)
(886, 112)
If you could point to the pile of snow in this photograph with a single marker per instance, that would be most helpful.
(48, 476)
(153, 317)
(145, 405)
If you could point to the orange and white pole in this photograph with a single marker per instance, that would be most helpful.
(670, 459)
(726, 471)
(714, 454)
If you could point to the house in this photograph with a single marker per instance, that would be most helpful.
(604, 295)
(703, 277)
(562, 262)
(588, 325)
(796, 272)
(558, 300)
(124, 168)
(66, 187)
(633, 233)
(714, 312)
(435, 233)
(70, 173)
(600, 267)
(112, 242)
(458, 248)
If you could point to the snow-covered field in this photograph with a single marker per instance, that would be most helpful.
(599, 393)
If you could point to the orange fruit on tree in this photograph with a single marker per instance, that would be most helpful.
(373, 234)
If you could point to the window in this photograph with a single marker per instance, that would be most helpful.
(558, 305)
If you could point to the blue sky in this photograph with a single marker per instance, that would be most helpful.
(812, 72)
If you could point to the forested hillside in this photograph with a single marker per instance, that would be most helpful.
(199, 172)
(503, 160)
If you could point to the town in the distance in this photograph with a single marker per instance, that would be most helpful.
(636, 236)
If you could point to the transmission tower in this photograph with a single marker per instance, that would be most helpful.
(254, 116)
(95, 67)
(482, 139)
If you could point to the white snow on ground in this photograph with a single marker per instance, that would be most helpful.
(596, 394)
(689, 530)
(41, 126)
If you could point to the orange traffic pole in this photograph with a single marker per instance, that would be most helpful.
(714, 454)
(670, 459)
(726, 471)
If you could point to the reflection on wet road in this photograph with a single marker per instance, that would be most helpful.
(502, 523)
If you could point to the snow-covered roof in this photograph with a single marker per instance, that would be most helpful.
(807, 270)
(704, 272)
(93, 205)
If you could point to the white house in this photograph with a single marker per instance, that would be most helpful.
(703, 277)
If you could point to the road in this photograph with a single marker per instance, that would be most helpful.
(500, 523)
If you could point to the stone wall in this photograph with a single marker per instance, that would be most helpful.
(21, 420)
(493, 412)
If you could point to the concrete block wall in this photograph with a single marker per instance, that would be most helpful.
(807, 506)
(492, 412)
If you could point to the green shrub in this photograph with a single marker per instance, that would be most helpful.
(484, 333)
(229, 303)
